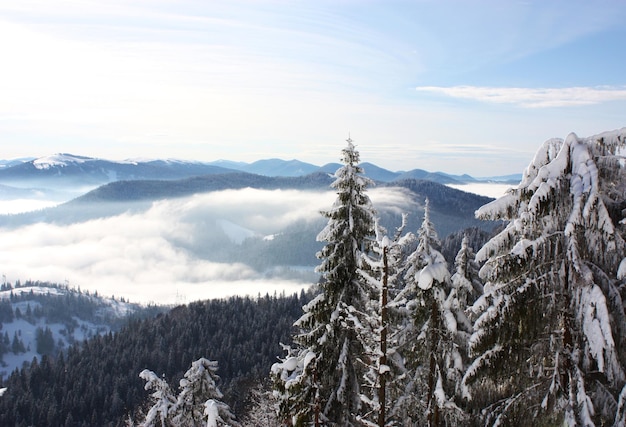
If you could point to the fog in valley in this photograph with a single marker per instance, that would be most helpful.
(8, 207)
(208, 245)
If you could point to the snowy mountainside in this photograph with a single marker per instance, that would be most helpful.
(59, 160)
(374, 172)
(68, 169)
(278, 167)
(43, 318)
(439, 177)
(98, 383)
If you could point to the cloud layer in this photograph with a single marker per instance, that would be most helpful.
(167, 254)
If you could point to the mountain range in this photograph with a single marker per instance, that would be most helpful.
(63, 169)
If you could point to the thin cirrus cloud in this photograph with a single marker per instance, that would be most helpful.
(532, 97)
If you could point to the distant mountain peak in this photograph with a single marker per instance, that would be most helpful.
(59, 159)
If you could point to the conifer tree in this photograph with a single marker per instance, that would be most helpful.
(433, 359)
(320, 380)
(163, 397)
(199, 397)
(552, 318)
(466, 279)
(383, 387)
(198, 402)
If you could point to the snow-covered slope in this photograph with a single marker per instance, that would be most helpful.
(59, 160)
(39, 319)
(66, 168)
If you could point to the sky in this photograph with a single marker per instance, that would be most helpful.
(454, 86)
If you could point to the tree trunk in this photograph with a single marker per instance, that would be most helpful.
(382, 377)
(433, 408)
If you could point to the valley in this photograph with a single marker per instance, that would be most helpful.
(202, 236)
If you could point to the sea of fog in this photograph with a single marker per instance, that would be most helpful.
(146, 257)
(9, 207)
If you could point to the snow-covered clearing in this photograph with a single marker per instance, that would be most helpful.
(26, 331)
(25, 327)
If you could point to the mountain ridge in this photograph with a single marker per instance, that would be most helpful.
(454, 208)
(63, 168)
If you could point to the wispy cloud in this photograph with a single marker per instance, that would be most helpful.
(532, 97)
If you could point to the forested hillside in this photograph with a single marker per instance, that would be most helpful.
(97, 382)
(38, 318)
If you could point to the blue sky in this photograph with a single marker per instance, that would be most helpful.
(455, 86)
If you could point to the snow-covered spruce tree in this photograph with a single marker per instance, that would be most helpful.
(383, 378)
(198, 402)
(199, 397)
(552, 318)
(431, 351)
(466, 279)
(163, 398)
(319, 382)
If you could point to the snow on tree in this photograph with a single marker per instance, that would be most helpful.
(198, 400)
(296, 387)
(384, 268)
(325, 383)
(466, 288)
(430, 348)
(163, 397)
(552, 318)
(466, 279)
(260, 407)
(199, 397)
(620, 413)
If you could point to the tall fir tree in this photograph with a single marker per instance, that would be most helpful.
(200, 397)
(319, 382)
(467, 287)
(552, 317)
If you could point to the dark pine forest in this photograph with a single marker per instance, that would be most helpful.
(90, 385)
